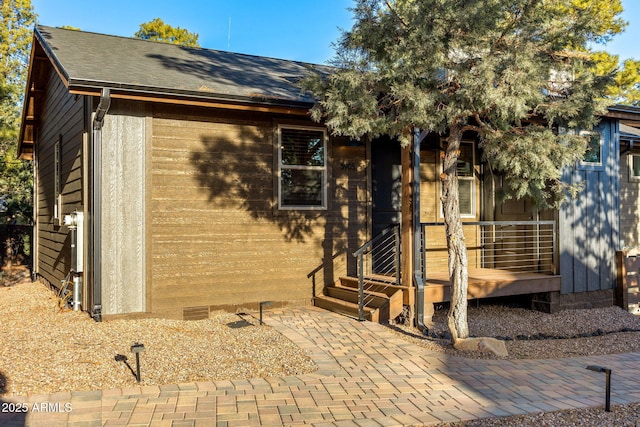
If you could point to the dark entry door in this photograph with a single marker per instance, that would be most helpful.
(386, 183)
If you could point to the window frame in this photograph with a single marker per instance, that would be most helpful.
(583, 164)
(323, 169)
(630, 157)
(472, 178)
(57, 181)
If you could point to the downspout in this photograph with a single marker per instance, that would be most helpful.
(98, 121)
(418, 280)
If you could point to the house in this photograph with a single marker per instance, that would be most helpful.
(174, 181)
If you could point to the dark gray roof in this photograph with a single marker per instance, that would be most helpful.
(93, 61)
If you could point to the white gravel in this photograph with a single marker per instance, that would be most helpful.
(45, 350)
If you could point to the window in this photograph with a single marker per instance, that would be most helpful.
(634, 167)
(302, 170)
(466, 180)
(593, 154)
(57, 200)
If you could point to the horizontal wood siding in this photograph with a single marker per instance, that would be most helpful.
(431, 211)
(217, 237)
(588, 224)
(61, 117)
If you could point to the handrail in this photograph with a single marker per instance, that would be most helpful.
(544, 222)
(384, 253)
(507, 245)
(377, 238)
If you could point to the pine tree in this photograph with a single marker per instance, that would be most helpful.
(512, 71)
(158, 30)
(16, 185)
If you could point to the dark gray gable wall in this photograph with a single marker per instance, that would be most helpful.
(589, 224)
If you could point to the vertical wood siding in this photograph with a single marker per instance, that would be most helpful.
(61, 116)
(123, 209)
(217, 237)
(588, 224)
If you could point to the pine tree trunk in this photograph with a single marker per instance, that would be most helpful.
(458, 265)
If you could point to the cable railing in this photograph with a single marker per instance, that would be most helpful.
(379, 258)
(517, 246)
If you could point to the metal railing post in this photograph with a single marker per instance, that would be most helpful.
(396, 233)
(361, 287)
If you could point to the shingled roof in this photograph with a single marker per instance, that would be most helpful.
(90, 61)
(144, 70)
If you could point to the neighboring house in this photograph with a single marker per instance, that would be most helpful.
(630, 185)
(203, 184)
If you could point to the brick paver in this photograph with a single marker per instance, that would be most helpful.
(367, 376)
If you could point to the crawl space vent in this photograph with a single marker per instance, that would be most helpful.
(195, 313)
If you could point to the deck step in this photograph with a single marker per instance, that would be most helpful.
(347, 308)
(382, 284)
(383, 302)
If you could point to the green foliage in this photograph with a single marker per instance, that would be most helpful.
(513, 71)
(16, 23)
(625, 88)
(157, 30)
(16, 185)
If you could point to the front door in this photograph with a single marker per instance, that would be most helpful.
(386, 176)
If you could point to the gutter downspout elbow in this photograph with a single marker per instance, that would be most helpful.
(96, 209)
(101, 110)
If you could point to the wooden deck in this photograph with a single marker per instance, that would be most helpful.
(489, 283)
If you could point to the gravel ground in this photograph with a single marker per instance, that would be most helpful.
(531, 334)
(45, 350)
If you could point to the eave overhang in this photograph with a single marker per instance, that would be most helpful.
(42, 56)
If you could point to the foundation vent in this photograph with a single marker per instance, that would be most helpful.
(195, 313)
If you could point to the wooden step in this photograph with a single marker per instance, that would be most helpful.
(375, 284)
(385, 301)
(373, 299)
(345, 307)
(387, 307)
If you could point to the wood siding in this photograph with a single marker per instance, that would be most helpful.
(61, 118)
(123, 243)
(588, 224)
(217, 237)
(629, 204)
(431, 211)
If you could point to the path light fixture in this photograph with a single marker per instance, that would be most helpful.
(607, 371)
(264, 304)
(136, 349)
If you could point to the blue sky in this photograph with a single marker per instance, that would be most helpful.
(301, 30)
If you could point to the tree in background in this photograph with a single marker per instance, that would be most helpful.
(512, 71)
(16, 177)
(625, 88)
(157, 30)
(16, 184)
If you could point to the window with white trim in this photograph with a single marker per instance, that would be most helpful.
(593, 154)
(634, 167)
(466, 180)
(302, 168)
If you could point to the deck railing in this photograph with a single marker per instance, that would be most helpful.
(379, 257)
(519, 246)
